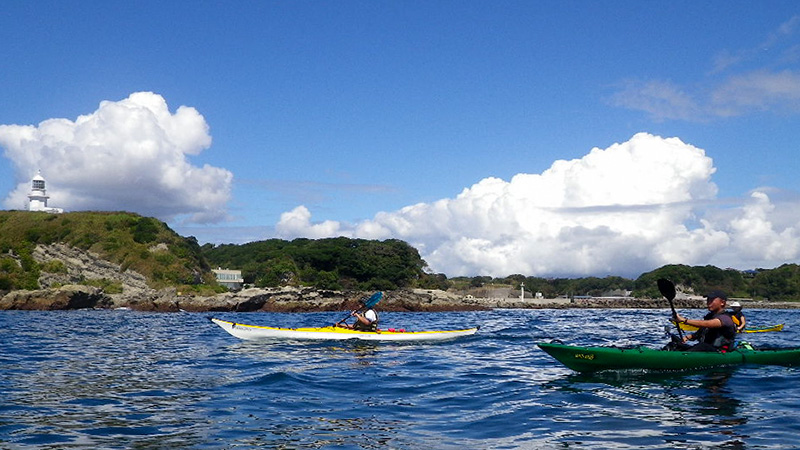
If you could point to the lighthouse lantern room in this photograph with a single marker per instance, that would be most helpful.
(37, 198)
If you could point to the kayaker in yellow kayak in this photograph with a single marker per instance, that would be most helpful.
(738, 317)
(716, 330)
(366, 319)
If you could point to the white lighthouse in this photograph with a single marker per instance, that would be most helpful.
(37, 198)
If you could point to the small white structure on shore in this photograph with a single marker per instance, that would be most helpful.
(37, 198)
(231, 279)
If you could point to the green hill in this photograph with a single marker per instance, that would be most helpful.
(332, 263)
(149, 247)
(143, 244)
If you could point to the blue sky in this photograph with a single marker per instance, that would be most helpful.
(549, 138)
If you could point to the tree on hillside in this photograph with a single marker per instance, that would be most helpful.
(698, 280)
(780, 284)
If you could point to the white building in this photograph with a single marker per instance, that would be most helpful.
(232, 279)
(37, 198)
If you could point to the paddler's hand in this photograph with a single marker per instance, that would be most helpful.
(679, 318)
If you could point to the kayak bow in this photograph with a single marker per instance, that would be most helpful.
(593, 359)
(251, 332)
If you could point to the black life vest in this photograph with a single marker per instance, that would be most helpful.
(720, 338)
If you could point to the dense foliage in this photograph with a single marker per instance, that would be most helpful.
(335, 263)
(697, 279)
(143, 244)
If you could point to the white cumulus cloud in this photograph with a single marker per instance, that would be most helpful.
(756, 237)
(127, 155)
(300, 219)
(622, 210)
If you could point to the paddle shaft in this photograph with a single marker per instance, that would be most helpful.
(352, 313)
(667, 289)
(675, 316)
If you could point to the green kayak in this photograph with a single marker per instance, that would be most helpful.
(593, 359)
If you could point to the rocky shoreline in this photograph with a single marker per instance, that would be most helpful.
(284, 299)
(291, 299)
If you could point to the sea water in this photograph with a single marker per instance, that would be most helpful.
(132, 380)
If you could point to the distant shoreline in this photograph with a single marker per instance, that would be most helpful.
(620, 303)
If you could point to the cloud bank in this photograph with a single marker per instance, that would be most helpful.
(127, 155)
(623, 210)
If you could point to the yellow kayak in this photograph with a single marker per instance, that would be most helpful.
(250, 332)
(778, 327)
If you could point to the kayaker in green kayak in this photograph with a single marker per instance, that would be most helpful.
(716, 330)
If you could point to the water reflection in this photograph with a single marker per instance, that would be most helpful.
(688, 407)
(719, 403)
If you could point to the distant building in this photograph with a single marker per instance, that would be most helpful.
(232, 279)
(37, 198)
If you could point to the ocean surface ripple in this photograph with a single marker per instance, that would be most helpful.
(125, 379)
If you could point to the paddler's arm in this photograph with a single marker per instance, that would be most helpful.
(711, 323)
(361, 318)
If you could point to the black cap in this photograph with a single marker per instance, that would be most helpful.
(714, 294)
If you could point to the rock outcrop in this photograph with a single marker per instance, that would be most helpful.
(293, 299)
(65, 297)
(80, 265)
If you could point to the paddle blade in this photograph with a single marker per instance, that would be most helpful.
(374, 299)
(667, 288)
